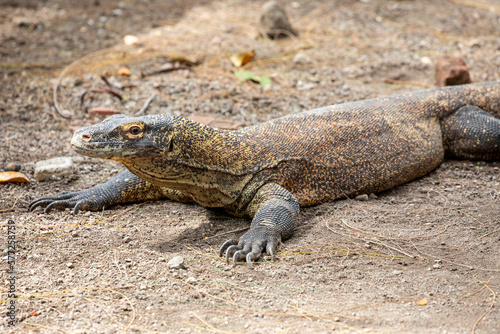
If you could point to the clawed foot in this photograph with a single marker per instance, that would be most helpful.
(251, 245)
(78, 200)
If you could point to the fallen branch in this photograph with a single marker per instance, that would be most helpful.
(146, 105)
(103, 112)
(166, 70)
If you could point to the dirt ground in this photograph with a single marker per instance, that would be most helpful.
(420, 258)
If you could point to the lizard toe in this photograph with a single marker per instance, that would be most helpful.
(226, 245)
(254, 254)
(231, 250)
(241, 254)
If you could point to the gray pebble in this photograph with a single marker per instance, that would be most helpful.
(363, 197)
(176, 263)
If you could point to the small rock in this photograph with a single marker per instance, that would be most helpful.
(301, 58)
(12, 167)
(56, 167)
(70, 265)
(436, 266)
(397, 272)
(274, 21)
(176, 263)
(74, 234)
(191, 280)
(451, 71)
(117, 12)
(372, 196)
(363, 197)
(127, 239)
(24, 21)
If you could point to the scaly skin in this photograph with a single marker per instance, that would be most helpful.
(267, 171)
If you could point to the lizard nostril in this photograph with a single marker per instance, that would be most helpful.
(85, 137)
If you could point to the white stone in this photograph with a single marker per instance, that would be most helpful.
(176, 263)
(54, 168)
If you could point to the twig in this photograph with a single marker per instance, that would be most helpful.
(212, 328)
(46, 327)
(487, 234)
(404, 82)
(112, 88)
(59, 79)
(166, 70)
(109, 91)
(103, 112)
(13, 205)
(146, 104)
(489, 308)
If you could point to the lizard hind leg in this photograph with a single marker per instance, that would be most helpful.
(274, 211)
(471, 133)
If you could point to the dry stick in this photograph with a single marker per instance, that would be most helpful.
(404, 82)
(476, 5)
(45, 327)
(166, 70)
(391, 238)
(58, 82)
(210, 326)
(13, 205)
(489, 308)
(455, 263)
(146, 104)
(371, 240)
(109, 91)
(487, 234)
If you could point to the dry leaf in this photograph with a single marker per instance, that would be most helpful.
(422, 302)
(130, 40)
(11, 177)
(124, 71)
(240, 59)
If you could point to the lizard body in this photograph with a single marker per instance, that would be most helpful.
(267, 171)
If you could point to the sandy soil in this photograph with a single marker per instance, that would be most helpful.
(420, 258)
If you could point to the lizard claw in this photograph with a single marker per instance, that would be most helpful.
(250, 246)
(84, 200)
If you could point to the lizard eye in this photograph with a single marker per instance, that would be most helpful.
(135, 130)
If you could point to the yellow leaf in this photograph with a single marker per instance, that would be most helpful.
(10, 177)
(422, 302)
(240, 59)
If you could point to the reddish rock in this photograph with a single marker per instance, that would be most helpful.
(451, 71)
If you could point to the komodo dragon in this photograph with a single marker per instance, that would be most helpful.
(267, 171)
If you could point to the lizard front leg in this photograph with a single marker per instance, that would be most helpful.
(274, 210)
(123, 188)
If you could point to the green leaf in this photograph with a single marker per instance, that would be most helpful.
(247, 75)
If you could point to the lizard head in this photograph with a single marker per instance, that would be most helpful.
(121, 137)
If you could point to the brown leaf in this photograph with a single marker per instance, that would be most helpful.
(124, 71)
(11, 177)
(240, 59)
